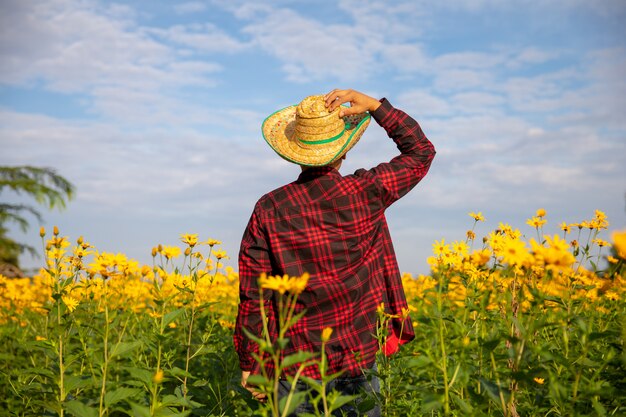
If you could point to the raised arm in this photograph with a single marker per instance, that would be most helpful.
(403, 172)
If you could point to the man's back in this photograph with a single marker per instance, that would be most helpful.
(334, 228)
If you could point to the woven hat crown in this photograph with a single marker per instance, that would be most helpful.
(315, 124)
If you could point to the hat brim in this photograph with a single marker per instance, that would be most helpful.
(279, 132)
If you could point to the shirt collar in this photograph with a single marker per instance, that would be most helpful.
(315, 172)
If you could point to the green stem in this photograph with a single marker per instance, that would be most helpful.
(105, 364)
(189, 334)
(444, 359)
(505, 409)
(61, 365)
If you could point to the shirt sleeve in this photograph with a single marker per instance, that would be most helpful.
(403, 172)
(253, 261)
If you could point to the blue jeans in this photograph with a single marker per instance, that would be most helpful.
(359, 386)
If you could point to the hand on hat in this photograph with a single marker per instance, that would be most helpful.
(359, 102)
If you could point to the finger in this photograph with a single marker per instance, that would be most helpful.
(259, 396)
(348, 111)
(332, 98)
(332, 94)
(343, 97)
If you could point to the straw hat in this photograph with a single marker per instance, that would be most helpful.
(308, 134)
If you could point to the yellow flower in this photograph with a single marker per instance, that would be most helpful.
(40, 338)
(220, 254)
(477, 216)
(600, 242)
(213, 242)
(514, 252)
(280, 284)
(226, 324)
(440, 248)
(171, 252)
(536, 222)
(158, 376)
(189, 239)
(70, 302)
(326, 334)
(480, 257)
(540, 213)
(297, 285)
(565, 227)
(172, 325)
(600, 221)
(619, 243)
(466, 341)
(540, 381)
(460, 248)
(471, 235)
(380, 309)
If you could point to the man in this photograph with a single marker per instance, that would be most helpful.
(334, 228)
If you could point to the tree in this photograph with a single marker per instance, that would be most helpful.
(45, 186)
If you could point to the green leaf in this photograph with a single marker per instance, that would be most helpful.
(598, 407)
(490, 345)
(43, 372)
(282, 342)
(122, 348)
(177, 372)
(72, 382)
(295, 358)
(140, 410)
(494, 391)
(337, 400)
(462, 404)
(205, 305)
(142, 375)
(115, 396)
(432, 402)
(258, 380)
(418, 362)
(296, 399)
(78, 409)
(171, 316)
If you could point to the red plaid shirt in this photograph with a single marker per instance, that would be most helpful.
(334, 228)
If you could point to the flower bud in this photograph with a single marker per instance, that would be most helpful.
(55, 231)
(326, 334)
(42, 231)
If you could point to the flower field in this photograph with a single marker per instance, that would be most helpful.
(506, 324)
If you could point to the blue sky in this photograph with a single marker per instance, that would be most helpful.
(153, 109)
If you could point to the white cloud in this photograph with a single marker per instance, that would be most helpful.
(121, 67)
(190, 7)
(310, 50)
(205, 38)
(424, 104)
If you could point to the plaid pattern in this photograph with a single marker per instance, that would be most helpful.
(334, 228)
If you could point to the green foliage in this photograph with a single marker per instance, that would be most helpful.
(567, 359)
(45, 186)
